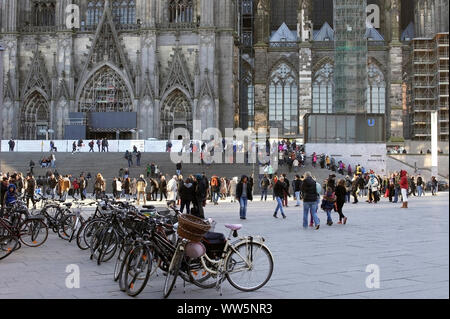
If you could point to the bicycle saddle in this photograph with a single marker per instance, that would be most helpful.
(233, 226)
(68, 204)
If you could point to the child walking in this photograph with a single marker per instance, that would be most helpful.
(328, 201)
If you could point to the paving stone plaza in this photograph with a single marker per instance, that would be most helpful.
(409, 246)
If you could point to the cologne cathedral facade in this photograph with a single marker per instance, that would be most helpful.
(110, 68)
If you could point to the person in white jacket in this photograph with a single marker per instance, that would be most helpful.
(373, 186)
(172, 188)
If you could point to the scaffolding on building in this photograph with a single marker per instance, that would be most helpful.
(429, 80)
(350, 75)
(441, 82)
(246, 88)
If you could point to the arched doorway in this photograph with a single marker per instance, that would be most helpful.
(176, 112)
(105, 91)
(34, 117)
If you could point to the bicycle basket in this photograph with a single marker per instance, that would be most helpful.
(192, 228)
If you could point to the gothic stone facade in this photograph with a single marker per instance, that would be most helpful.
(169, 61)
(174, 61)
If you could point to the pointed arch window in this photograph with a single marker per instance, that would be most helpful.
(105, 91)
(376, 90)
(323, 90)
(43, 13)
(283, 100)
(94, 12)
(176, 112)
(34, 117)
(181, 11)
(124, 11)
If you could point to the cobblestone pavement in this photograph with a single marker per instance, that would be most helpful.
(410, 246)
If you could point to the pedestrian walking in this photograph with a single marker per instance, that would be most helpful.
(91, 146)
(187, 195)
(297, 188)
(233, 185)
(30, 190)
(162, 188)
(141, 187)
(215, 189)
(419, 186)
(404, 188)
(264, 185)
(138, 158)
(178, 167)
(83, 187)
(341, 198)
(310, 196)
(172, 187)
(243, 195)
(327, 205)
(279, 190)
(11, 144)
(99, 186)
(434, 186)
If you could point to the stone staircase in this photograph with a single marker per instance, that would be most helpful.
(108, 164)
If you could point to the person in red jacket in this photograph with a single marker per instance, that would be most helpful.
(404, 188)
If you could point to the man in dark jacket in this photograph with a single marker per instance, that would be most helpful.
(11, 144)
(310, 196)
(243, 194)
(187, 195)
(297, 188)
(83, 187)
(52, 183)
(279, 191)
(286, 192)
(91, 146)
(30, 189)
(201, 191)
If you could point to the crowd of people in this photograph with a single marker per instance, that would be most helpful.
(192, 192)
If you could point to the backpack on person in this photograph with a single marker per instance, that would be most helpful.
(214, 181)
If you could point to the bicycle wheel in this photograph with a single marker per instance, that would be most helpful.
(138, 270)
(79, 222)
(172, 273)
(200, 277)
(33, 233)
(86, 232)
(66, 225)
(252, 272)
(108, 246)
(69, 226)
(96, 240)
(118, 267)
(8, 244)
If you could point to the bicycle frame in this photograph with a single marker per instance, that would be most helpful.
(227, 251)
